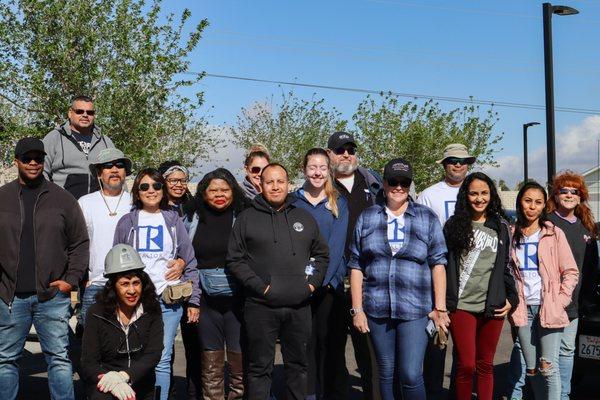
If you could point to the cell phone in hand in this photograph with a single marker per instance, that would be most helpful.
(431, 328)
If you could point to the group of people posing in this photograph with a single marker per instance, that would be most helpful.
(236, 267)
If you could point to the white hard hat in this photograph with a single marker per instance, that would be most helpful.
(122, 258)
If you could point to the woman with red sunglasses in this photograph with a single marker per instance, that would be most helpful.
(568, 209)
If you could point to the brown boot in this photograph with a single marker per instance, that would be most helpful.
(213, 363)
(236, 376)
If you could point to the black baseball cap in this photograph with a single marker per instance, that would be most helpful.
(28, 144)
(398, 168)
(339, 139)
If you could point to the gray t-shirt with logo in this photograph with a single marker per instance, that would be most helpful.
(475, 269)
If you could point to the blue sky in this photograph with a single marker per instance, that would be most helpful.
(489, 50)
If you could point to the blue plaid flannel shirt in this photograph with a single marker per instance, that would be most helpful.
(399, 286)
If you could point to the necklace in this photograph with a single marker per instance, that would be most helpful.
(111, 213)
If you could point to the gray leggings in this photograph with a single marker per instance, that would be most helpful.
(539, 343)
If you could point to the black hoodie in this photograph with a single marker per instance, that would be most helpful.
(270, 247)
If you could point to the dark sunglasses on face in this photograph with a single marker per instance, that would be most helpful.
(80, 111)
(256, 170)
(25, 159)
(341, 150)
(109, 165)
(574, 192)
(146, 186)
(456, 160)
(395, 182)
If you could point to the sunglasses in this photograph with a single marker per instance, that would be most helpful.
(80, 111)
(456, 160)
(256, 170)
(25, 159)
(146, 186)
(109, 165)
(395, 182)
(341, 150)
(574, 192)
(175, 181)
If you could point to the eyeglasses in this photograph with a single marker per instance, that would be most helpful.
(256, 170)
(341, 150)
(111, 164)
(176, 181)
(144, 187)
(81, 111)
(25, 159)
(456, 160)
(574, 192)
(395, 182)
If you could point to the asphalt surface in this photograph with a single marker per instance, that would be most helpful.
(34, 384)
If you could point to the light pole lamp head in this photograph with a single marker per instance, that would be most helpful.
(531, 124)
(564, 10)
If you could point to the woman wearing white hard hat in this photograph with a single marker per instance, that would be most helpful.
(122, 342)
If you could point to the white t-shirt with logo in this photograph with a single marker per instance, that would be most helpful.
(395, 231)
(441, 198)
(101, 228)
(155, 246)
(527, 254)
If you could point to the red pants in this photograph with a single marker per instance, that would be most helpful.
(475, 338)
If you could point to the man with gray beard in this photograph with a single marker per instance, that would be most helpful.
(361, 188)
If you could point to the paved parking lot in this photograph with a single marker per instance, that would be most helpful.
(34, 379)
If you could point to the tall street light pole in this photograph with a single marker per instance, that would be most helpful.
(547, 11)
(525, 126)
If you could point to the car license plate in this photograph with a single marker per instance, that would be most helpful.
(589, 347)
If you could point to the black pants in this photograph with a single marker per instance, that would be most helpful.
(263, 325)
(220, 324)
(321, 303)
(337, 377)
(193, 367)
(433, 370)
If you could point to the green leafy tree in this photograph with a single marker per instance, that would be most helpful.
(288, 128)
(503, 186)
(387, 128)
(117, 51)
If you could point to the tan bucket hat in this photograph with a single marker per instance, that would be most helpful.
(457, 150)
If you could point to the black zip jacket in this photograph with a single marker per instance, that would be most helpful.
(60, 234)
(269, 247)
(501, 286)
(105, 348)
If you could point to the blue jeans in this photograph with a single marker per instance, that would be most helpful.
(51, 321)
(171, 315)
(566, 357)
(87, 300)
(537, 344)
(400, 349)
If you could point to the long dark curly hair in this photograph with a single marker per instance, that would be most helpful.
(108, 296)
(521, 220)
(198, 205)
(458, 230)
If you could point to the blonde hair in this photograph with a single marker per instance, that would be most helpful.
(256, 150)
(330, 190)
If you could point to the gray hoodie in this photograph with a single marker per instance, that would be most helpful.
(67, 165)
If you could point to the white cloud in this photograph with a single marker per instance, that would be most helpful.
(576, 149)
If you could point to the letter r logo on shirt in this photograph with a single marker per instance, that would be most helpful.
(530, 256)
(150, 238)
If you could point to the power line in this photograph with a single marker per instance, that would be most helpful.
(407, 95)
